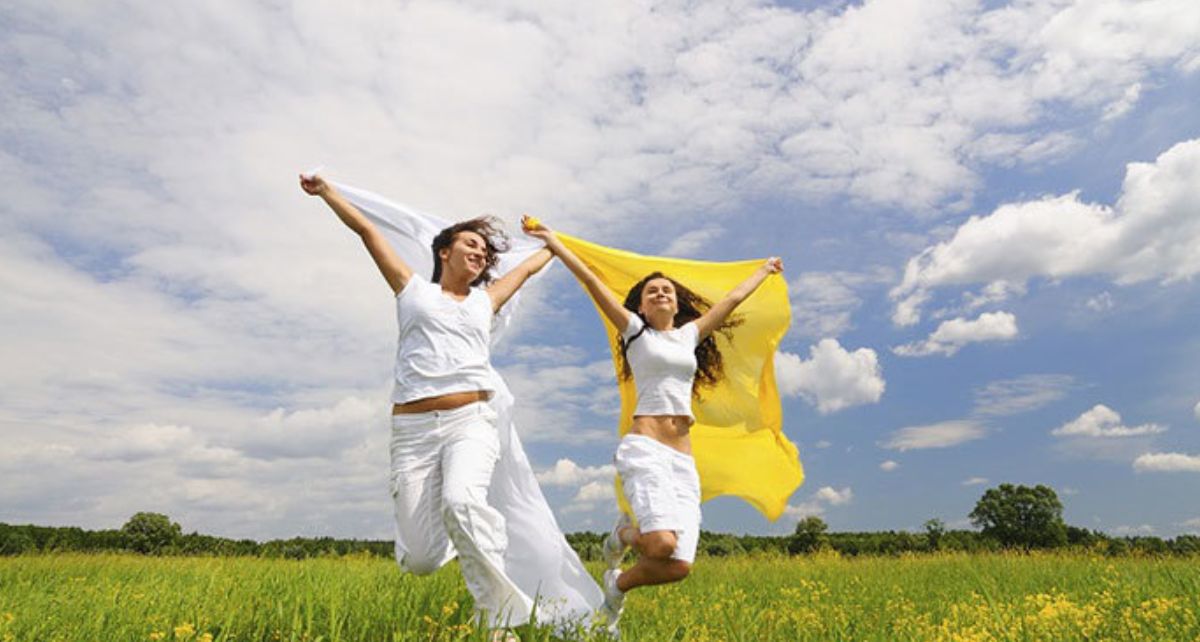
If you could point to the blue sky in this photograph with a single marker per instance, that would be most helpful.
(988, 214)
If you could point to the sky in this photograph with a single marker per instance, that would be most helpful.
(988, 213)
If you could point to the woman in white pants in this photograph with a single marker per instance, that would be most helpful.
(668, 349)
(444, 443)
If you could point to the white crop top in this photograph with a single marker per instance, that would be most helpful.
(664, 366)
(444, 344)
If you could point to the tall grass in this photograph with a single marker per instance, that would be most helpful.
(944, 597)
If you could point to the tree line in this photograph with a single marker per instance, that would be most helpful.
(1008, 517)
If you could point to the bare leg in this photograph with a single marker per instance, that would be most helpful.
(654, 565)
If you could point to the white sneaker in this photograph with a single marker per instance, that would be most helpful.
(614, 548)
(614, 602)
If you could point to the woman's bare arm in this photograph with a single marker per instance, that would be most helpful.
(395, 271)
(612, 308)
(717, 314)
(502, 289)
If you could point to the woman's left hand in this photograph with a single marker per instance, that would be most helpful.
(773, 265)
(533, 227)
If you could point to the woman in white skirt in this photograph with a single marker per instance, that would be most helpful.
(444, 443)
(668, 349)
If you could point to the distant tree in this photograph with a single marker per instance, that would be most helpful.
(810, 535)
(1117, 546)
(720, 544)
(1082, 537)
(934, 530)
(15, 540)
(151, 532)
(1021, 517)
(1186, 545)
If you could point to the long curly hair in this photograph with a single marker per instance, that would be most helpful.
(494, 238)
(710, 367)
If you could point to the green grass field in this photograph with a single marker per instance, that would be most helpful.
(103, 598)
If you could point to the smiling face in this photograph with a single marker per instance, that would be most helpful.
(467, 254)
(659, 297)
(469, 249)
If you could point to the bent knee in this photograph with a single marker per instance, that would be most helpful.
(679, 569)
(659, 544)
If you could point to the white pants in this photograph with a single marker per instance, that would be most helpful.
(442, 463)
(663, 489)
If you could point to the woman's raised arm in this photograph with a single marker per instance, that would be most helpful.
(612, 308)
(502, 289)
(717, 314)
(395, 271)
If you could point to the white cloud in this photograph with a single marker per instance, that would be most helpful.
(564, 403)
(1127, 531)
(143, 441)
(822, 302)
(832, 378)
(567, 473)
(950, 336)
(1167, 463)
(888, 466)
(833, 496)
(319, 432)
(1121, 107)
(1150, 234)
(209, 473)
(690, 243)
(1102, 302)
(810, 508)
(974, 481)
(819, 501)
(1022, 394)
(823, 444)
(939, 435)
(1196, 410)
(1102, 421)
(595, 491)
(546, 354)
(993, 293)
(1192, 524)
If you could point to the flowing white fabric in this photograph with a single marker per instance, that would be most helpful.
(538, 559)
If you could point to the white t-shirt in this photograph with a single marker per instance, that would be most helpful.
(664, 366)
(444, 343)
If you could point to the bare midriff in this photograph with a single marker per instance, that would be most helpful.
(669, 430)
(441, 402)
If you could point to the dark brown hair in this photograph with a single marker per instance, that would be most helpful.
(710, 367)
(494, 238)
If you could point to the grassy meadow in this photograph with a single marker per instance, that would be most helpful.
(106, 598)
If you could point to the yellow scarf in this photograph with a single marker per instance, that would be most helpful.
(738, 439)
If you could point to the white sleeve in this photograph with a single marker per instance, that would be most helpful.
(635, 326)
(415, 282)
(692, 331)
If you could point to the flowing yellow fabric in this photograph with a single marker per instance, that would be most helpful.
(738, 439)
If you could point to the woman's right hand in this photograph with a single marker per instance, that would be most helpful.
(313, 185)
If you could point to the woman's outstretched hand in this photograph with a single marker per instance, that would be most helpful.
(533, 227)
(313, 184)
(773, 265)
